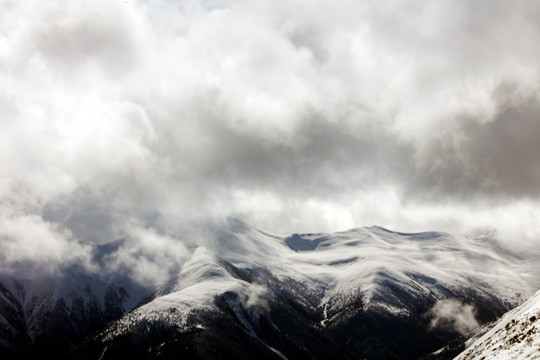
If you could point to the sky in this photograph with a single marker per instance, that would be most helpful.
(147, 119)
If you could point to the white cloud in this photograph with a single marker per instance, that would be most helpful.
(451, 314)
(30, 246)
(294, 116)
(147, 257)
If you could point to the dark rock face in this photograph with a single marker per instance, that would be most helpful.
(48, 326)
(298, 243)
(12, 334)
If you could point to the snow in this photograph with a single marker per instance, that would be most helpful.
(362, 258)
(516, 336)
(357, 260)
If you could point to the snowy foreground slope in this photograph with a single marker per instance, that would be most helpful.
(516, 336)
(365, 293)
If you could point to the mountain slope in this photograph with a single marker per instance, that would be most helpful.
(368, 293)
(516, 336)
(49, 314)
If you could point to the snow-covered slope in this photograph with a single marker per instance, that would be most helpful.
(355, 288)
(365, 257)
(423, 264)
(516, 336)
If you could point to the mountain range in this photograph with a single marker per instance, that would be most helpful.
(366, 293)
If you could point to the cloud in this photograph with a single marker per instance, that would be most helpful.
(32, 247)
(496, 157)
(293, 116)
(451, 314)
(147, 257)
(257, 298)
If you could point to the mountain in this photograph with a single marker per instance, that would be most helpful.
(515, 336)
(50, 314)
(364, 293)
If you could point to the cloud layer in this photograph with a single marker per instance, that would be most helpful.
(293, 116)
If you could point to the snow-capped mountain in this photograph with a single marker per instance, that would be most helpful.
(515, 336)
(365, 293)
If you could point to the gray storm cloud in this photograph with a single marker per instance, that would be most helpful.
(498, 158)
(293, 116)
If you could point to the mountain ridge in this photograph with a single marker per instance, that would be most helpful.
(347, 294)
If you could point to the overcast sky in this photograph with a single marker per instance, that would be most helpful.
(144, 118)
